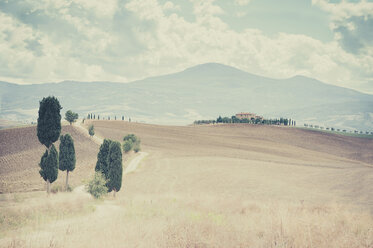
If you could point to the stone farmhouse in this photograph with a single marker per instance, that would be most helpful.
(249, 116)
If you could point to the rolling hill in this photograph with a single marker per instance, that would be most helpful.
(201, 92)
(228, 185)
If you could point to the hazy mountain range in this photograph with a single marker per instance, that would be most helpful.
(201, 92)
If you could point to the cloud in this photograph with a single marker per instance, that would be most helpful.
(352, 24)
(171, 6)
(344, 9)
(126, 40)
(182, 43)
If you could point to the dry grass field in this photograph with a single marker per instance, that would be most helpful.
(251, 162)
(211, 186)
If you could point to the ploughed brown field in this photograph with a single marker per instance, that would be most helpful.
(200, 186)
(20, 153)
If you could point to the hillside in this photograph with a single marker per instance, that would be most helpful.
(259, 162)
(201, 92)
(204, 186)
(20, 153)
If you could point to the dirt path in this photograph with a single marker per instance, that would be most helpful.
(95, 138)
(99, 140)
(135, 162)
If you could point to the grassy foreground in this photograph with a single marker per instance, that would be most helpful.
(70, 220)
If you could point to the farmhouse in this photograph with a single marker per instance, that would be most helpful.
(249, 116)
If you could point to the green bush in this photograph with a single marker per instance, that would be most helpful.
(136, 147)
(131, 141)
(130, 137)
(127, 146)
(91, 130)
(96, 186)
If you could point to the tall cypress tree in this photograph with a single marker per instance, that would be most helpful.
(114, 161)
(49, 121)
(48, 131)
(102, 155)
(49, 166)
(67, 158)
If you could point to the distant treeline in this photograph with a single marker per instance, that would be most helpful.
(94, 117)
(258, 121)
(336, 129)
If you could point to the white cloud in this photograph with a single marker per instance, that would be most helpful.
(19, 63)
(182, 43)
(101, 8)
(352, 24)
(345, 9)
(171, 6)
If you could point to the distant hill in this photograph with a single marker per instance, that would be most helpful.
(201, 92)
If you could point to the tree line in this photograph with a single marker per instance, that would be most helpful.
(336, 129)
(92, 116)
(258, 121)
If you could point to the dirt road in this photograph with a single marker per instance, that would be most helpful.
(99, 140)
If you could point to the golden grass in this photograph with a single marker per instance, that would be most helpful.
(30, 210)
(171, 221)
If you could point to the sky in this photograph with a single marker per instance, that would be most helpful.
(125, 40)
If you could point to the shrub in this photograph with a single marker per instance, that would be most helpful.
(130, 137)
(127, 146)
(136, 147)
(91, 130)
(96, 186)
(131, 141)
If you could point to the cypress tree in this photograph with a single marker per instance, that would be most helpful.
(49, 121)
(49, 166)
(48, 131)
(114, 161)
(91, 130)
(67, 158)
(102, 156)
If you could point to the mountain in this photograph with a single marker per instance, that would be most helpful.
(201, 92)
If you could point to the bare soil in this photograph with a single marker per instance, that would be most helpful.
(20, 153)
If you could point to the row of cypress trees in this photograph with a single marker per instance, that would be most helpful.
(109, 158)
(93, 117)
(48, 132)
